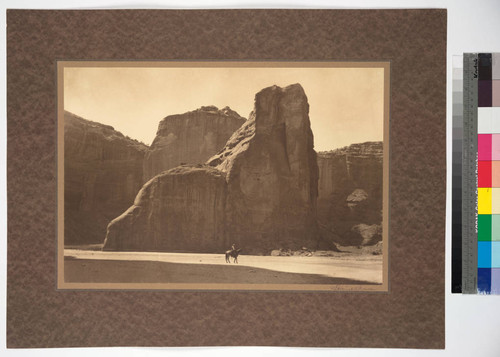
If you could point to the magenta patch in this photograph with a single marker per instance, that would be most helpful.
(484, 146)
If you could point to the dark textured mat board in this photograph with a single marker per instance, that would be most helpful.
(410, 315)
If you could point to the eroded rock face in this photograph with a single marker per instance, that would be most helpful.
(350, 193)
(371, 234)
(259, 191)
(102, 175)
(182, 209)
(272, 174)
(190, 138)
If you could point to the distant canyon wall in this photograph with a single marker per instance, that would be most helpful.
(190, 138)
(102, 175)
(350, 193)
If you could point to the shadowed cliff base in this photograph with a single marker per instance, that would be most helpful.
(349, 206)
(123, 271)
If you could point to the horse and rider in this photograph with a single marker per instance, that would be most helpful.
(233, 252)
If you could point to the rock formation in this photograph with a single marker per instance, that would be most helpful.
(181, 209)
(350, 193)
(190, 138)
(272, 174)
(102, 175)
(259, 191)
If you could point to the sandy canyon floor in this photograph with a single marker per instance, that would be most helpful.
(87, 266)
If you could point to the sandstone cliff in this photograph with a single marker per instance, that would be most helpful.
(102, 175)
(350, 193)
(190, 138)
(272, 174)
(259, 191)
(181, 209)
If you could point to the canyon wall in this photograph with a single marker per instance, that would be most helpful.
(350, 193)
(259, 191)
(190, 138)
(102, 175)
(181, 209)
(272, 174)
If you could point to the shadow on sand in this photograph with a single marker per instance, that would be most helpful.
(126, 271)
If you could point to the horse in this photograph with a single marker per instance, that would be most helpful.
(234, 254)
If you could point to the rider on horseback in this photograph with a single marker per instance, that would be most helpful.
(233, 252)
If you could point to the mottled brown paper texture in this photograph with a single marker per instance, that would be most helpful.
(409, 315)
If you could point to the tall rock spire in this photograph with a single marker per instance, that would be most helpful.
(259, 191)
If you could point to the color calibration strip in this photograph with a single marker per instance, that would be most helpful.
(476, 174)
(488, 174)
(456, 194)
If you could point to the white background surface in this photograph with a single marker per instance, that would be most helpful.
(472, 322)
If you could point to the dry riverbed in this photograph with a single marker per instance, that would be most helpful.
(350, 267)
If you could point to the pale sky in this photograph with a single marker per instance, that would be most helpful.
(346, 104)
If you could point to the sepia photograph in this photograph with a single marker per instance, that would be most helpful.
(223, 175)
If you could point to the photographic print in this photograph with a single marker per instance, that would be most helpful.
(134, 164)
(223, 175)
